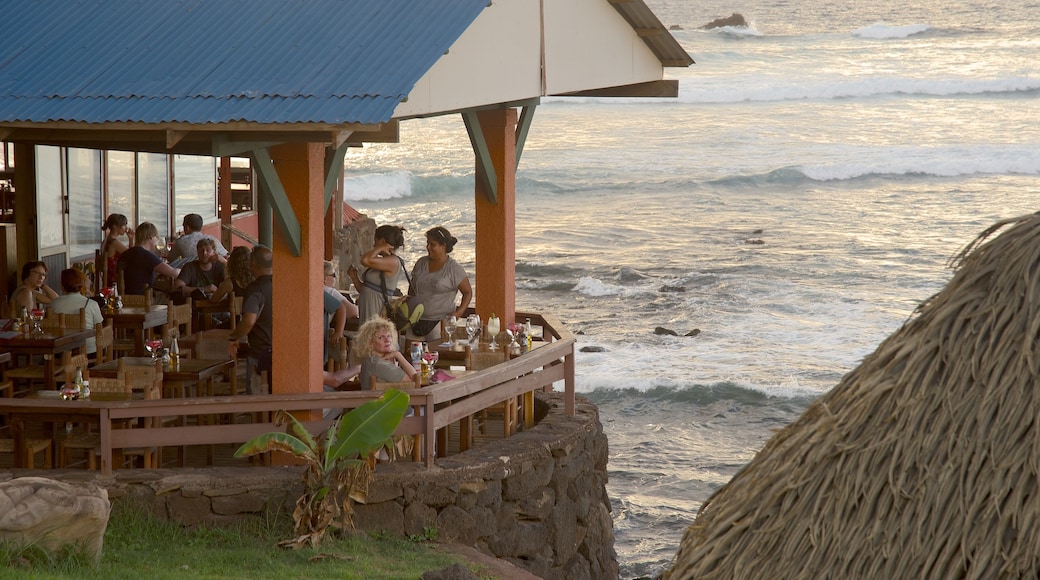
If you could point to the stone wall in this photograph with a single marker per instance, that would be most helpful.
(537, 499)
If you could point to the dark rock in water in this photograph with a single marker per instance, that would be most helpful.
(693, 332)
(667, 288)
(626, 274)
(663, 330)
(754, 241)
(593, 349)
(736, 20)
(675, 27)
(757, 232)
(579, 332)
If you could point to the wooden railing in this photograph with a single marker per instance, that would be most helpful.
(439, 405)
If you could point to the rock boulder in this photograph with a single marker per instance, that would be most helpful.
(53, 514)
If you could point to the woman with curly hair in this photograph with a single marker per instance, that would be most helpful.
(238, 275)
(377, 351)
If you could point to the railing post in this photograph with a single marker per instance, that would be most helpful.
(568, 382)
(105, 420)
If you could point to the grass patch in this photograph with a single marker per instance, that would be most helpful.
(140, 546)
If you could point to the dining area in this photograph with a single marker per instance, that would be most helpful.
(58, 375)
(191, 408)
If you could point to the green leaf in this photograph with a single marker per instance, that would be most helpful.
(295, 428)
(276, 442)
(368, 427)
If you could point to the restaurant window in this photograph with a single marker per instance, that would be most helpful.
(49, 197)
(84, 187)
(194, 187)
(242, 191)
(6, 156)
(153, 191)
(121, 190)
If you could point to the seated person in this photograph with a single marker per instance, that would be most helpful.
(32, 290)
(141, 263)
(330, 289)
(239, 276)
(200, 277)
(186, 246)
(74, 286)
(377, 351)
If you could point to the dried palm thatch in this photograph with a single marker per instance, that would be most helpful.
(921, 463)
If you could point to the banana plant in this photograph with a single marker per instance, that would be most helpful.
(336, 462)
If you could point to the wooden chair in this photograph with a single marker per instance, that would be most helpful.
(506, 410)
(52, 320)
(77, 321)
(33, 446)
(148, 379)
(178, 316)
(138, 300)
(105, 337)
(32, 374)
(337, 360)
(88, 440)
(450, 357)
(71, 362)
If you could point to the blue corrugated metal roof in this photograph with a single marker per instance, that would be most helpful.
(217, 61)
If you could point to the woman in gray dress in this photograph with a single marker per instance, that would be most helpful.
(437, 279)
(381, 261)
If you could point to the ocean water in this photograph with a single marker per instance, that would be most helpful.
(795, 203)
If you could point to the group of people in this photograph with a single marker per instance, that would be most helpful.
(436, 279)
(215, 274)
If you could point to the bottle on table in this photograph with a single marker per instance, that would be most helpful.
(528, 332)
(415, 354)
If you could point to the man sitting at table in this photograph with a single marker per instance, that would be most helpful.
(199, 278)
(186, 246)
(141, 263)
(73, 284)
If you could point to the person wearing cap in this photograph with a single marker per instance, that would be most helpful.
(437, 279)
(186, 246)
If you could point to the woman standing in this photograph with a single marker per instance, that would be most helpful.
(436, 279)
(112, 247)
(381, 262)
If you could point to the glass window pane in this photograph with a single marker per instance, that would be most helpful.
(153, 191)
(84, 186)
(49, 196)
(195, 186)
(121, 185)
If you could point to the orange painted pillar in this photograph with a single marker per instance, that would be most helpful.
(495, 286)
(298, 332)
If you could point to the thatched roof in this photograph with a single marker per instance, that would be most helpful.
(921, 463)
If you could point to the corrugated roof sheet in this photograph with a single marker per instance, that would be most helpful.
(219, 61)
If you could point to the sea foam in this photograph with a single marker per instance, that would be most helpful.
(882, 31)
(377, 186)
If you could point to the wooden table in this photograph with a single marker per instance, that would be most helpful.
(51, 344)
(198, 372)
(137, 320)
(203, 311)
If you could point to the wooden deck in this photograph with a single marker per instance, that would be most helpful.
(445, 411)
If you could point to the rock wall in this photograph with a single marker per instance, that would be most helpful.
(537, 499)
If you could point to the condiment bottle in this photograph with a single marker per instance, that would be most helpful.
(175, 353)
(528, 333)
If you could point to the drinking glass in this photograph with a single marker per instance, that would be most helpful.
(494, 326)
(451, 326)
(154, 346)
(36, 316)
(472, 327)
(514, 329)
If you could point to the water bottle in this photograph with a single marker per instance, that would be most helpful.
(78, 382)
(416, 356)
(528, 332)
